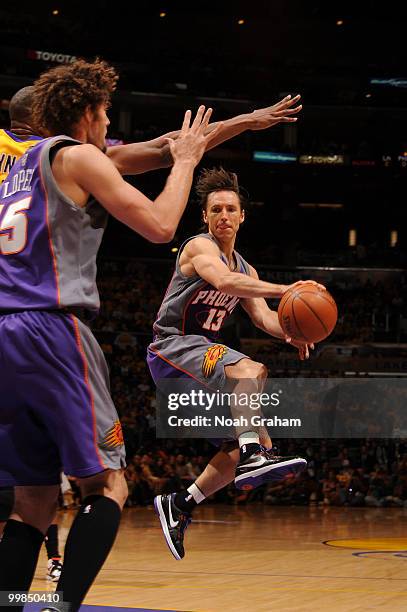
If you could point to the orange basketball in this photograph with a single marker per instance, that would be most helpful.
(307, 313)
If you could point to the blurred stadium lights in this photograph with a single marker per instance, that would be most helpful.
(330, 160)
(364, 162)
(403, 159)
(352, 238)
(402, 82)
(332, 205)
(273, 157)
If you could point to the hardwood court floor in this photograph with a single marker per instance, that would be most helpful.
(257, 558)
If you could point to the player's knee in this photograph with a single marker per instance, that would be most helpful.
(263, 371)
(257, 370)
(247, 368)
(36, 506)
(123, 491)
(110, 483)
(119, 491)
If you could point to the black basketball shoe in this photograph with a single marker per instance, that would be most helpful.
(263, 466)
(173, 523)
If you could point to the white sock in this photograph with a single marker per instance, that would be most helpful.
(196, 493)
(248, 437)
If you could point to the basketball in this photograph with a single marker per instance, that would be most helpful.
(307, 313)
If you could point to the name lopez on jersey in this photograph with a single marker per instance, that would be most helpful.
(216, 298)
(21, 181)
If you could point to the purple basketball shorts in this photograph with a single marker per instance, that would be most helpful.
(56, 412)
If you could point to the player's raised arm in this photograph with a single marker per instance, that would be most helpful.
(141, 157)
(260, 119)
(157, 221)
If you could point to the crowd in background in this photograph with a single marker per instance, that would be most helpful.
(344, 116)
(368, 309)
(353, 472)
(357, 473)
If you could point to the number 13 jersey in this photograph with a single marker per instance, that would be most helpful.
(193, 306)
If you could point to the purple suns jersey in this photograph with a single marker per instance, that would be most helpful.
(48, 245)
(193, 306)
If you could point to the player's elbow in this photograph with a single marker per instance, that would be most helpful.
(153, 232)
(258, 322)
(162, 235)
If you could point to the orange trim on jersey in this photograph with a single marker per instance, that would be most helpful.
(86, 377)
(51, 248)
(201, 382)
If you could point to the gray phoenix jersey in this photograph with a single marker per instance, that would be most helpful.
(48, 244)
(193, 306)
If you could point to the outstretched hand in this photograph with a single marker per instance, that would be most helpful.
(282, 112)
(191, 142)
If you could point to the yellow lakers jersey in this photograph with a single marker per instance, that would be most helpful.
(11, 149)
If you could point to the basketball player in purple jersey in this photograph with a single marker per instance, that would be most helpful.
(210, 279)
(55, 408)
(13, 144)
(129, 159)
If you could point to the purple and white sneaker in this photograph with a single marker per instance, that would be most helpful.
(262, 466)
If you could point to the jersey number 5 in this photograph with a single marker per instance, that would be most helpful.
(13, 227)
(210, 323)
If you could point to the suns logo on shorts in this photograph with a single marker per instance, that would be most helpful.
(211, 358)
(113, 436)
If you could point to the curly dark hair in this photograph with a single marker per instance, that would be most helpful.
(217, 179)
(62, 94)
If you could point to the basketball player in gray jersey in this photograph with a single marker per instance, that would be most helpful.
(209, 280)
